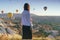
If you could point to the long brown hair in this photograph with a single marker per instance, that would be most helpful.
(26, 6)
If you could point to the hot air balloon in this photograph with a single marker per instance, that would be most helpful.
(10, 15)
(2, 11)
(45, 8)
(16, 10)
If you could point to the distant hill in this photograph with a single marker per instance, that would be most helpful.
(36, 18)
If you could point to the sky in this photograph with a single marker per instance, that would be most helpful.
(36, 6)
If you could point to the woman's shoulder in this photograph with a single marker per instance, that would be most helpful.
(26, 12)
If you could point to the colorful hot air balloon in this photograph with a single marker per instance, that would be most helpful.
(10, 15)
(45, 8)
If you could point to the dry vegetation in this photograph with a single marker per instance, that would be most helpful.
(10, 37)
(18, 37)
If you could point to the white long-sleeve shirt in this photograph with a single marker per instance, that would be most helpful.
(25, 19)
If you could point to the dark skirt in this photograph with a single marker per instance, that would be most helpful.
(26, 32)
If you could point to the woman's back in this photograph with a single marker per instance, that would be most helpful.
(26, 18)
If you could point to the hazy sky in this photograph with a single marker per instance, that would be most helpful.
(12, 5)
